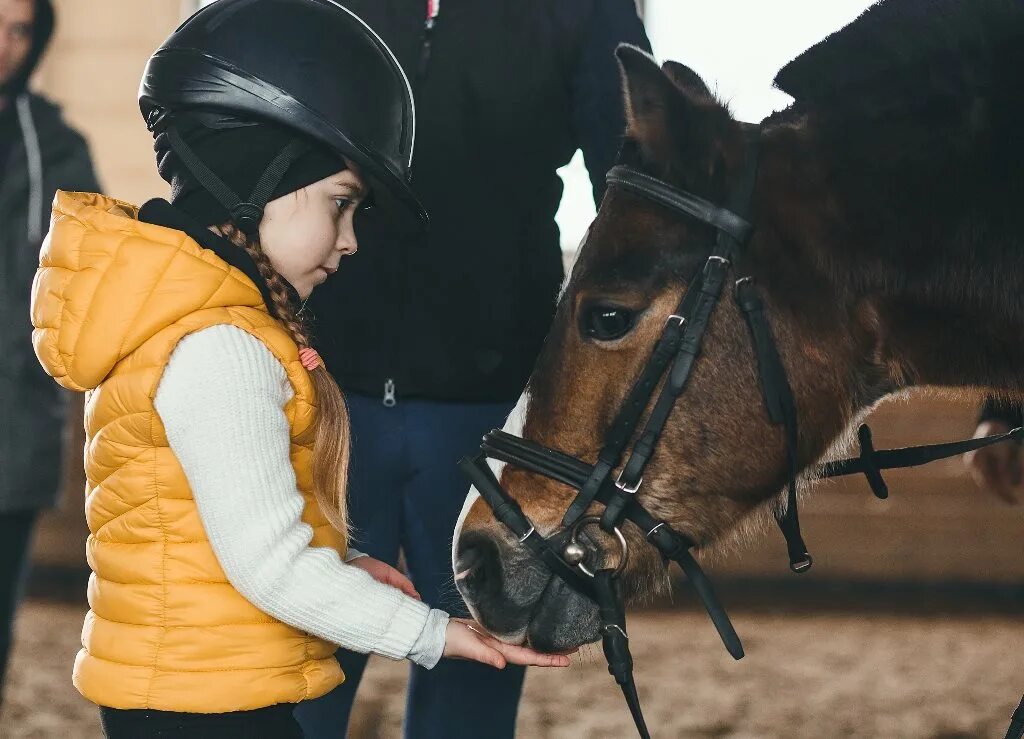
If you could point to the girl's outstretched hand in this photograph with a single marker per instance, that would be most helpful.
(466, 639)
(386, 574)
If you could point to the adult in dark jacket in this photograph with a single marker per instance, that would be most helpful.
(433, 335)
(39, 154)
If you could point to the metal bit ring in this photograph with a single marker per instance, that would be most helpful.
(596, 521)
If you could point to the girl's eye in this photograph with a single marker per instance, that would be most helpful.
(342, 203)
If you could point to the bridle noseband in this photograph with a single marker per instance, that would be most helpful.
(673, 359)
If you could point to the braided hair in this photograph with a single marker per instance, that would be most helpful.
(331, 428)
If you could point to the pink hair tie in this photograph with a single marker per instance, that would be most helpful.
(310, 358)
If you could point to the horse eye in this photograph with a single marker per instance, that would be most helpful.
(607, 322)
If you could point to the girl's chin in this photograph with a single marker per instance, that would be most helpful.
(316, 279)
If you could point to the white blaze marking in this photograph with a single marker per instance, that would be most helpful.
(513, 425)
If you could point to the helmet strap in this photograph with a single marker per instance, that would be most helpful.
(245, 214)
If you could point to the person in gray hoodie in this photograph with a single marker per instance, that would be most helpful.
(39, 154)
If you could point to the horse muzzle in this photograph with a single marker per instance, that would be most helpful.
(516, 597)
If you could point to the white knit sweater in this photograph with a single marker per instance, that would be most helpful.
(222, 399)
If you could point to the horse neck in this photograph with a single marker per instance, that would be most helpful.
(927, 245)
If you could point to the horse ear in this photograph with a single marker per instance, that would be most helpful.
(687, 80)
(671, 115)
(649, 95)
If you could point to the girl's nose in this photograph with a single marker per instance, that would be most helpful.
(347, 243)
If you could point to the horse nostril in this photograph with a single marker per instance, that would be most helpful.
(478, 564)
(469, 559)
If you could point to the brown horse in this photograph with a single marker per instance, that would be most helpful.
(887, 247)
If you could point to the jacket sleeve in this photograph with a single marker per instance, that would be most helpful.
(596, 95)
(73, 172)
(79, 174)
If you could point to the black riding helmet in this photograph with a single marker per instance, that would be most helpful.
(311, 66)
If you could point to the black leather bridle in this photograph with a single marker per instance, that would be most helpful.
(673, 360)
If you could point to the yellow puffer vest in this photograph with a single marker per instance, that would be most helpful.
(165, 630)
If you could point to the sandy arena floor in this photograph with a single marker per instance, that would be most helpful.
(812, 676)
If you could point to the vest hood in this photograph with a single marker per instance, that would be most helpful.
(108, 282)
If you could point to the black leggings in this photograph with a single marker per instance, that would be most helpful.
(273, 722)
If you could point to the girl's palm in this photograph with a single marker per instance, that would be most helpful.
(465, 639)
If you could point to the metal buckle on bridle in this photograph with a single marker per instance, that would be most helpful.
(575, 553)
(675, 317)
(527, 535)
(631, 489)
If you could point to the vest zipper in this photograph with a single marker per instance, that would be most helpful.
(389, 394)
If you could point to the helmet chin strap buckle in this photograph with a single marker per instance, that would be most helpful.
(247, 217)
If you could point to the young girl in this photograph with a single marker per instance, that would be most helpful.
(216, 441)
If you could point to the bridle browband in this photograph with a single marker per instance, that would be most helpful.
(673, 359)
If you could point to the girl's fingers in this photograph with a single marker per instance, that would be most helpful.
(526, 656)
(514, 654)
(482, 652)
(464, 642)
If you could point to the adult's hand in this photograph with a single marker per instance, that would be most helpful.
(998, 469)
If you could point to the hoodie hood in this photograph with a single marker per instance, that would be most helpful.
(108, 282)
(42, 32)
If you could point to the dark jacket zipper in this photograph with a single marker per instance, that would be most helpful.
(390, 399)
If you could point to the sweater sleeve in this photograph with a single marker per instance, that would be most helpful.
(221, 400)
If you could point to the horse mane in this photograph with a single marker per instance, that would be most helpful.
(905, 55)
(910, 119)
